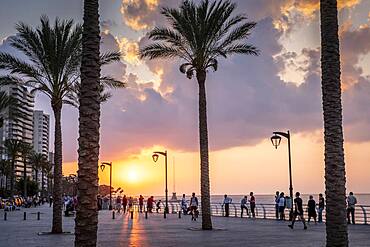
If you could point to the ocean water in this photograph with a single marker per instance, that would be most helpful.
(362, 199)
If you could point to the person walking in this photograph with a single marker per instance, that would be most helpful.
(158, 206)
(351, 203)
(277, 199)
(243, 205)
(118, 204)
(141, 203)
(226, 205)
(124, 203)
(298, 211)
(252, 204)
(149, 204)
(50, 201)
(184, 205)
(311, 209)
(321, 207)
(281, 206)
(194, 207)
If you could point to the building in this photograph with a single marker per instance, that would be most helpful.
(18, 122)
(41, 132)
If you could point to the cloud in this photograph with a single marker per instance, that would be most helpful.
(138, 14)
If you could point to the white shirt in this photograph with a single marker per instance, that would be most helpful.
(227, 200)
(281, 202)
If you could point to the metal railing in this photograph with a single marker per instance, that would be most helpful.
(266, 211)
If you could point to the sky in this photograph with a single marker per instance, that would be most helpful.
(248, 98)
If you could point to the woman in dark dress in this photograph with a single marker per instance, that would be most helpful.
(311, 208)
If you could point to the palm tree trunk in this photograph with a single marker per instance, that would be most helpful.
(57, 190)
(24, 178)
(42, 183)
(36, 178)
(86, 226)
(204, 165)
(335, 176)
(12, 175)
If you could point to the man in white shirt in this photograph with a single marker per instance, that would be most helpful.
(351, 203)
(227, 201)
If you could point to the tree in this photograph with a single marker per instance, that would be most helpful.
(335, 175)
(52, 68)
(200, 34)
(31, 186)
(88, 142)
(13, 150)
(5, 102)
(26, 150)
(37, 161)
(5, 169)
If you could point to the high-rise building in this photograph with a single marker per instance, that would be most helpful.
(18, 122)
(41, 132)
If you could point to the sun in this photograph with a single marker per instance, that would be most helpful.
(132, 176)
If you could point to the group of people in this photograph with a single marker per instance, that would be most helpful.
(69, 204)
(192, 208)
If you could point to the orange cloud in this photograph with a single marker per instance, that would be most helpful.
(137, 13)
(129, 50)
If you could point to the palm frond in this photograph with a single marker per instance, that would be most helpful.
(109, 57)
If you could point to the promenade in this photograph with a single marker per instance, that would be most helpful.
(157, 231)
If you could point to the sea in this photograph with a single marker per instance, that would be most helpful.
(362, 199)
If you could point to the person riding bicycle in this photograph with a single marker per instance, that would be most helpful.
(194, 207)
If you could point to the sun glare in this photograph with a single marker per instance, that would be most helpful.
(132, 176)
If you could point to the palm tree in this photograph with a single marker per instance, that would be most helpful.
(53, 68)
(26, 150)
(37, 161)
(88, 142)
(13, 150)
(335, 174)
(200, 34)
(6, 101)
(5, 169)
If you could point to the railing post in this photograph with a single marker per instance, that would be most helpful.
(236, 213)
(132, 214)
(38, 215)
(113, 214)
(365, 215)
(146, 214)
(5, 216)
(179, 214)
(24, 216)
(264, 211)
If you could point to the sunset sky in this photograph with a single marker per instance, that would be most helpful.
(248, 98)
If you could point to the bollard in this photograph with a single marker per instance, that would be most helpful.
(24, 216)
(5, 216)
(180, 214)
(146, 214)
(164, 214)
(113, 214)
(132, 214)
(38, 215)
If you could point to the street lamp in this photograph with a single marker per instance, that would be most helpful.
(102, 167)
(276, 139)
(155, 157)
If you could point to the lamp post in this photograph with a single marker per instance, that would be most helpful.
(276, 139)
(102, 167)
(155, 157)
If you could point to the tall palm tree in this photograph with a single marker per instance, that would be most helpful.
(88, 142)
(335, 174)
(26, 150)
(13, 150)
(200, 34)
(6, 101)
(53, 68)
(5, 169)
(37, 161)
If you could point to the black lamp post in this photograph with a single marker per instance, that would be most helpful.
(102, 167)
(155, 157)
(276, 139)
